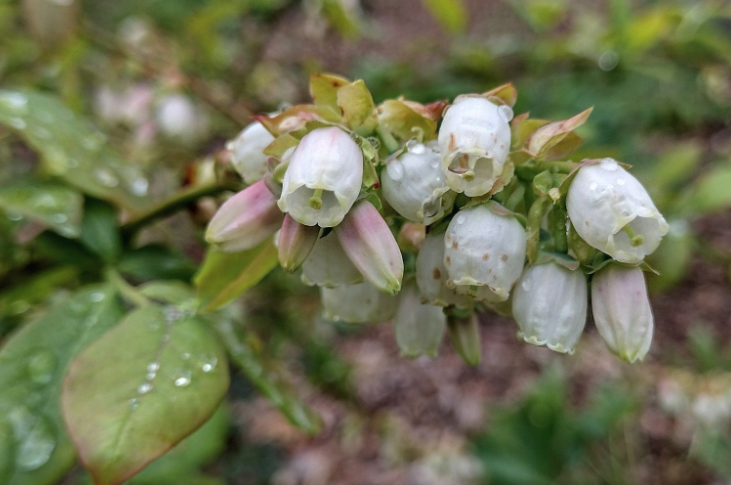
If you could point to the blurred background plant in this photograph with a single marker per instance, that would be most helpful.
(114, 118)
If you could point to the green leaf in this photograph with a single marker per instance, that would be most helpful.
(341, 17)
(324, 89)
(53, 205)
(182, 464)
(356, 103)
(72, 149)
(100, 229)
(246, 353)
(450, 13)
(140, 389)
(710, 194)
(55, 248)
(156, 262)
(21, 296)
(549, 136)
(35, 448)
(223, 277)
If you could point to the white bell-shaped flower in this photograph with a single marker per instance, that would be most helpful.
(431, 275)
(361, 303)
(613, 212)
(419, 326)
(247, 152)
(323, 178)
(622, 312)
(486, 250)
(549, 304)
(414, 185)
(474, 141)
(328, 265)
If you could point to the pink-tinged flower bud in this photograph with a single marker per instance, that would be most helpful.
(413, 184)
(419, 326)
(622, 312)
(613, 212)
(431, 275)
(295, 243)
(247, 152)
(474, 140)
(549, 304)
(361, 303)
(245, 220)
(329, 266)
(323, 179)
(485, 249)
(368, 241)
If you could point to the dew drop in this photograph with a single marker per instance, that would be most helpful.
(41, 367)
(139, 186)
(526, 286)
(106, 177)
(144, 388)
(18, 123)
(153, 367)
(506, 113)
(182, 378)
(14, 101)
(593, 186)
(395, 170)
(151, 375)
(460, 219)
(416, 148)
(15, 217)
(609, 164)
(96, 297)
(36, 439)
(59, 218)
(620, 181)
(208, 362)
(185, 356)
(134, 403)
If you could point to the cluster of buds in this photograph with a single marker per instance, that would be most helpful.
(488, 211)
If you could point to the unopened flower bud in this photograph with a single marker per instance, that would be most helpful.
(368, 241)
(549, 304)
(486, 250)
(329, 266)
(295, 243)
(613, 212)
(245, 220)
(323, 179)
(431, 275)
(474, 140)
(419, 326)
(464, 334)
(413, 184)
(247, 152)
(622, 312)
(361, 303)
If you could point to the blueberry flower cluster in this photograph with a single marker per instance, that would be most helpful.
(427, 214)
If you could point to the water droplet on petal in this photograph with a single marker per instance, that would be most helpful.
(620, 181)
(506, 113)
(395, 170)
(526, 286)
(460, 219)
(609, 164)
(593, 186)
(416, 148)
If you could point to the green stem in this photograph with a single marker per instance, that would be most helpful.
(128, 292)
(387, 138)
(167, 207)
(563, 167)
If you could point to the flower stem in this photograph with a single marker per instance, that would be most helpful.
(387, 138)
(128, 292)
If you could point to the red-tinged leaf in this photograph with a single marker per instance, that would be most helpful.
(551, 134)
(507, 93)
(295, 117)
(141, 388)
(563, 149)
(407, 120)
(523, 127)
(356, 103)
